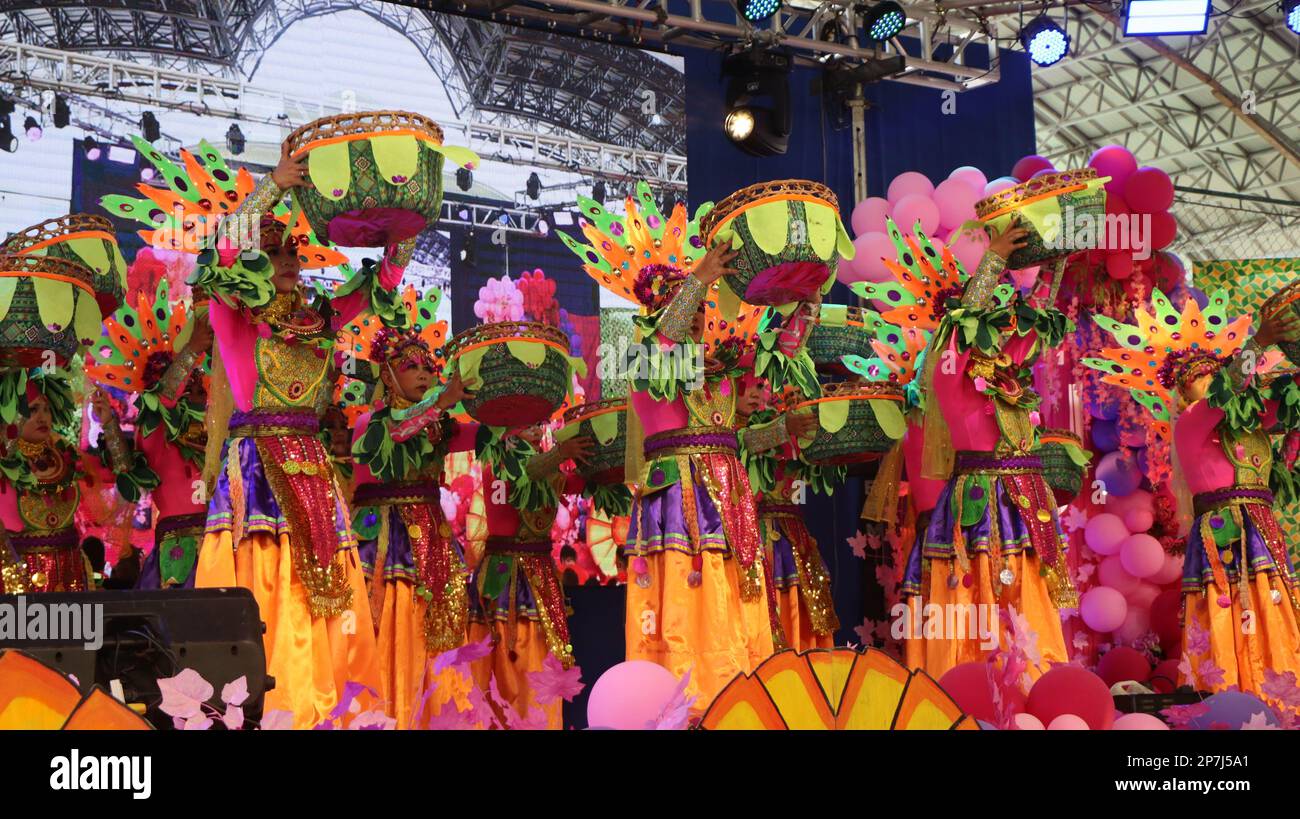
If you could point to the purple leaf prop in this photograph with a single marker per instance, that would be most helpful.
(235, 693)
(554, 682)
(184, 694)
(233, 718)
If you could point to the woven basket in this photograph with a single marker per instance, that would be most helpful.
(861, 438)
(828, 343)
(59, 237)
(1077, 206)
(373, 212)
(24, 337)
(769, 278)
(1062, 474)
(511, 393)
(605, 466)
(1288, 298)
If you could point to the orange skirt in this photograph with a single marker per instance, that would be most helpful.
(707, 630)
(796, 624)
(311, 658)
(512, 675)
(1268, 641)
(942, 648)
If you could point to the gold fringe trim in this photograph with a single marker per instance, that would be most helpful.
(882, 501)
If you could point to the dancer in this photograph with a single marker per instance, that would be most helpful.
(993, 547)
(145, 353)
(516, 597)
(277, 522)
(41, 487)
(1239, 594)
(416, 570)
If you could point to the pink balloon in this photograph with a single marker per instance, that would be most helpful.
(630, 695)
(1144, 596)
(1027, 722)
(1139, 722)
(1171, 571)
(1119, 265)
(1116, 162)
(867, 264)
(956, 202)
(1068, 722)
(1142, 555)
(1149, 190)
(968, 248)
(1030, 165)
(1135, 626)
(1123, 504)
(1138, 520)
(1103, 533)
(1111, 572)
(869, 216)
(1103, 609)
(916, 208)
(1164, 229)
(909, 183)
(1000, 184)
(971, 177)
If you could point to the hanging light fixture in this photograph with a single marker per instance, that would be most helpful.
(1045, 42)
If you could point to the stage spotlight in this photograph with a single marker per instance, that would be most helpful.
(468, 254)
(1291, 13)
(149, 126)
(758, 75)
(62, 114)
(534, 185)
(598, 191)
(33, 129)
(464, 178)
(756, 11)
(235, 139)
(1144, 18)
(543, 226)
(91, 147)
(884, 21)
(1045, 42)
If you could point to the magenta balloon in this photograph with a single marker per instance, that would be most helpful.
(1139, 722)
(909, 183)
(968, 247)
(1122, 664)
(1141, 555)
(868, 264)
(869, 216)
(1164, 229)
(1138, 520)
(630, 695)
(1140, 499)
(1170, 571)
(1116, 162)
(1103, 533)
(1103, 609)
(1068, 722)
(956, 202)
(1030, 165)
(1119, 265)
(971, 177)
(1137, 622)
(1000, 184)
(1149, 190)
(916, 208)
(1143, 596)
(1111, 572)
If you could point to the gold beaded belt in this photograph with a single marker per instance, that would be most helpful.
(273, 423)
(692, 441)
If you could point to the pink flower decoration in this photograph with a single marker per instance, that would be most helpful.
(499, 300)
(981, 385)
(184, 694)
(554, 682)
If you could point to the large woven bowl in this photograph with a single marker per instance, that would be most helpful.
(1079, 199)
(1062, 474)
(63, 289)
(83, 238)
(370, 200)
(775, 267)
(1288, 298)
(605, 466)
(829, 342)
(510, 392)
(862, 438)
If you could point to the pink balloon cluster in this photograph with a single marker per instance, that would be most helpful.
(912, 199)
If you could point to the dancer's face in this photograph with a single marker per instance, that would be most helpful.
(412, 377)
(751, 398)
(336, 423)
(284, 260)
(39, 424)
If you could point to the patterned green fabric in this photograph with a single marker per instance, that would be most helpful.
(616, 333)
(753, 259)
(862, 437)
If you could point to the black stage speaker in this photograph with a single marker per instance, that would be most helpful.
(145, 635)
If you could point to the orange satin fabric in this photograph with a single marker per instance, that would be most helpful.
(707, 630)
(403, 655)
(1028, 593)
(311, 658)
(511, 677)
(794, 622)
(1274, 645)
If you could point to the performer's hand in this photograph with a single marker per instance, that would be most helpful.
(1282, 326)
(290, 172)
(454, 392)
(103, 406)
(578, 448)
(1011, 239)
(201, 337)
(714, 264)
(800, 424)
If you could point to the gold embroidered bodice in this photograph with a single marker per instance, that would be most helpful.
(52, 505)
(710, 406)
(1251, 456)
(293, 363)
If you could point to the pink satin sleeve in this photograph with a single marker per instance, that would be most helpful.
(966, 411)
(177, 476)
(659, 416)
(464, 437)
(237, 339)
(9, 508)
(925, 491)
(1200, 448)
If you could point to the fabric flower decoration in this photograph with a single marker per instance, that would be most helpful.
(499, 300)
